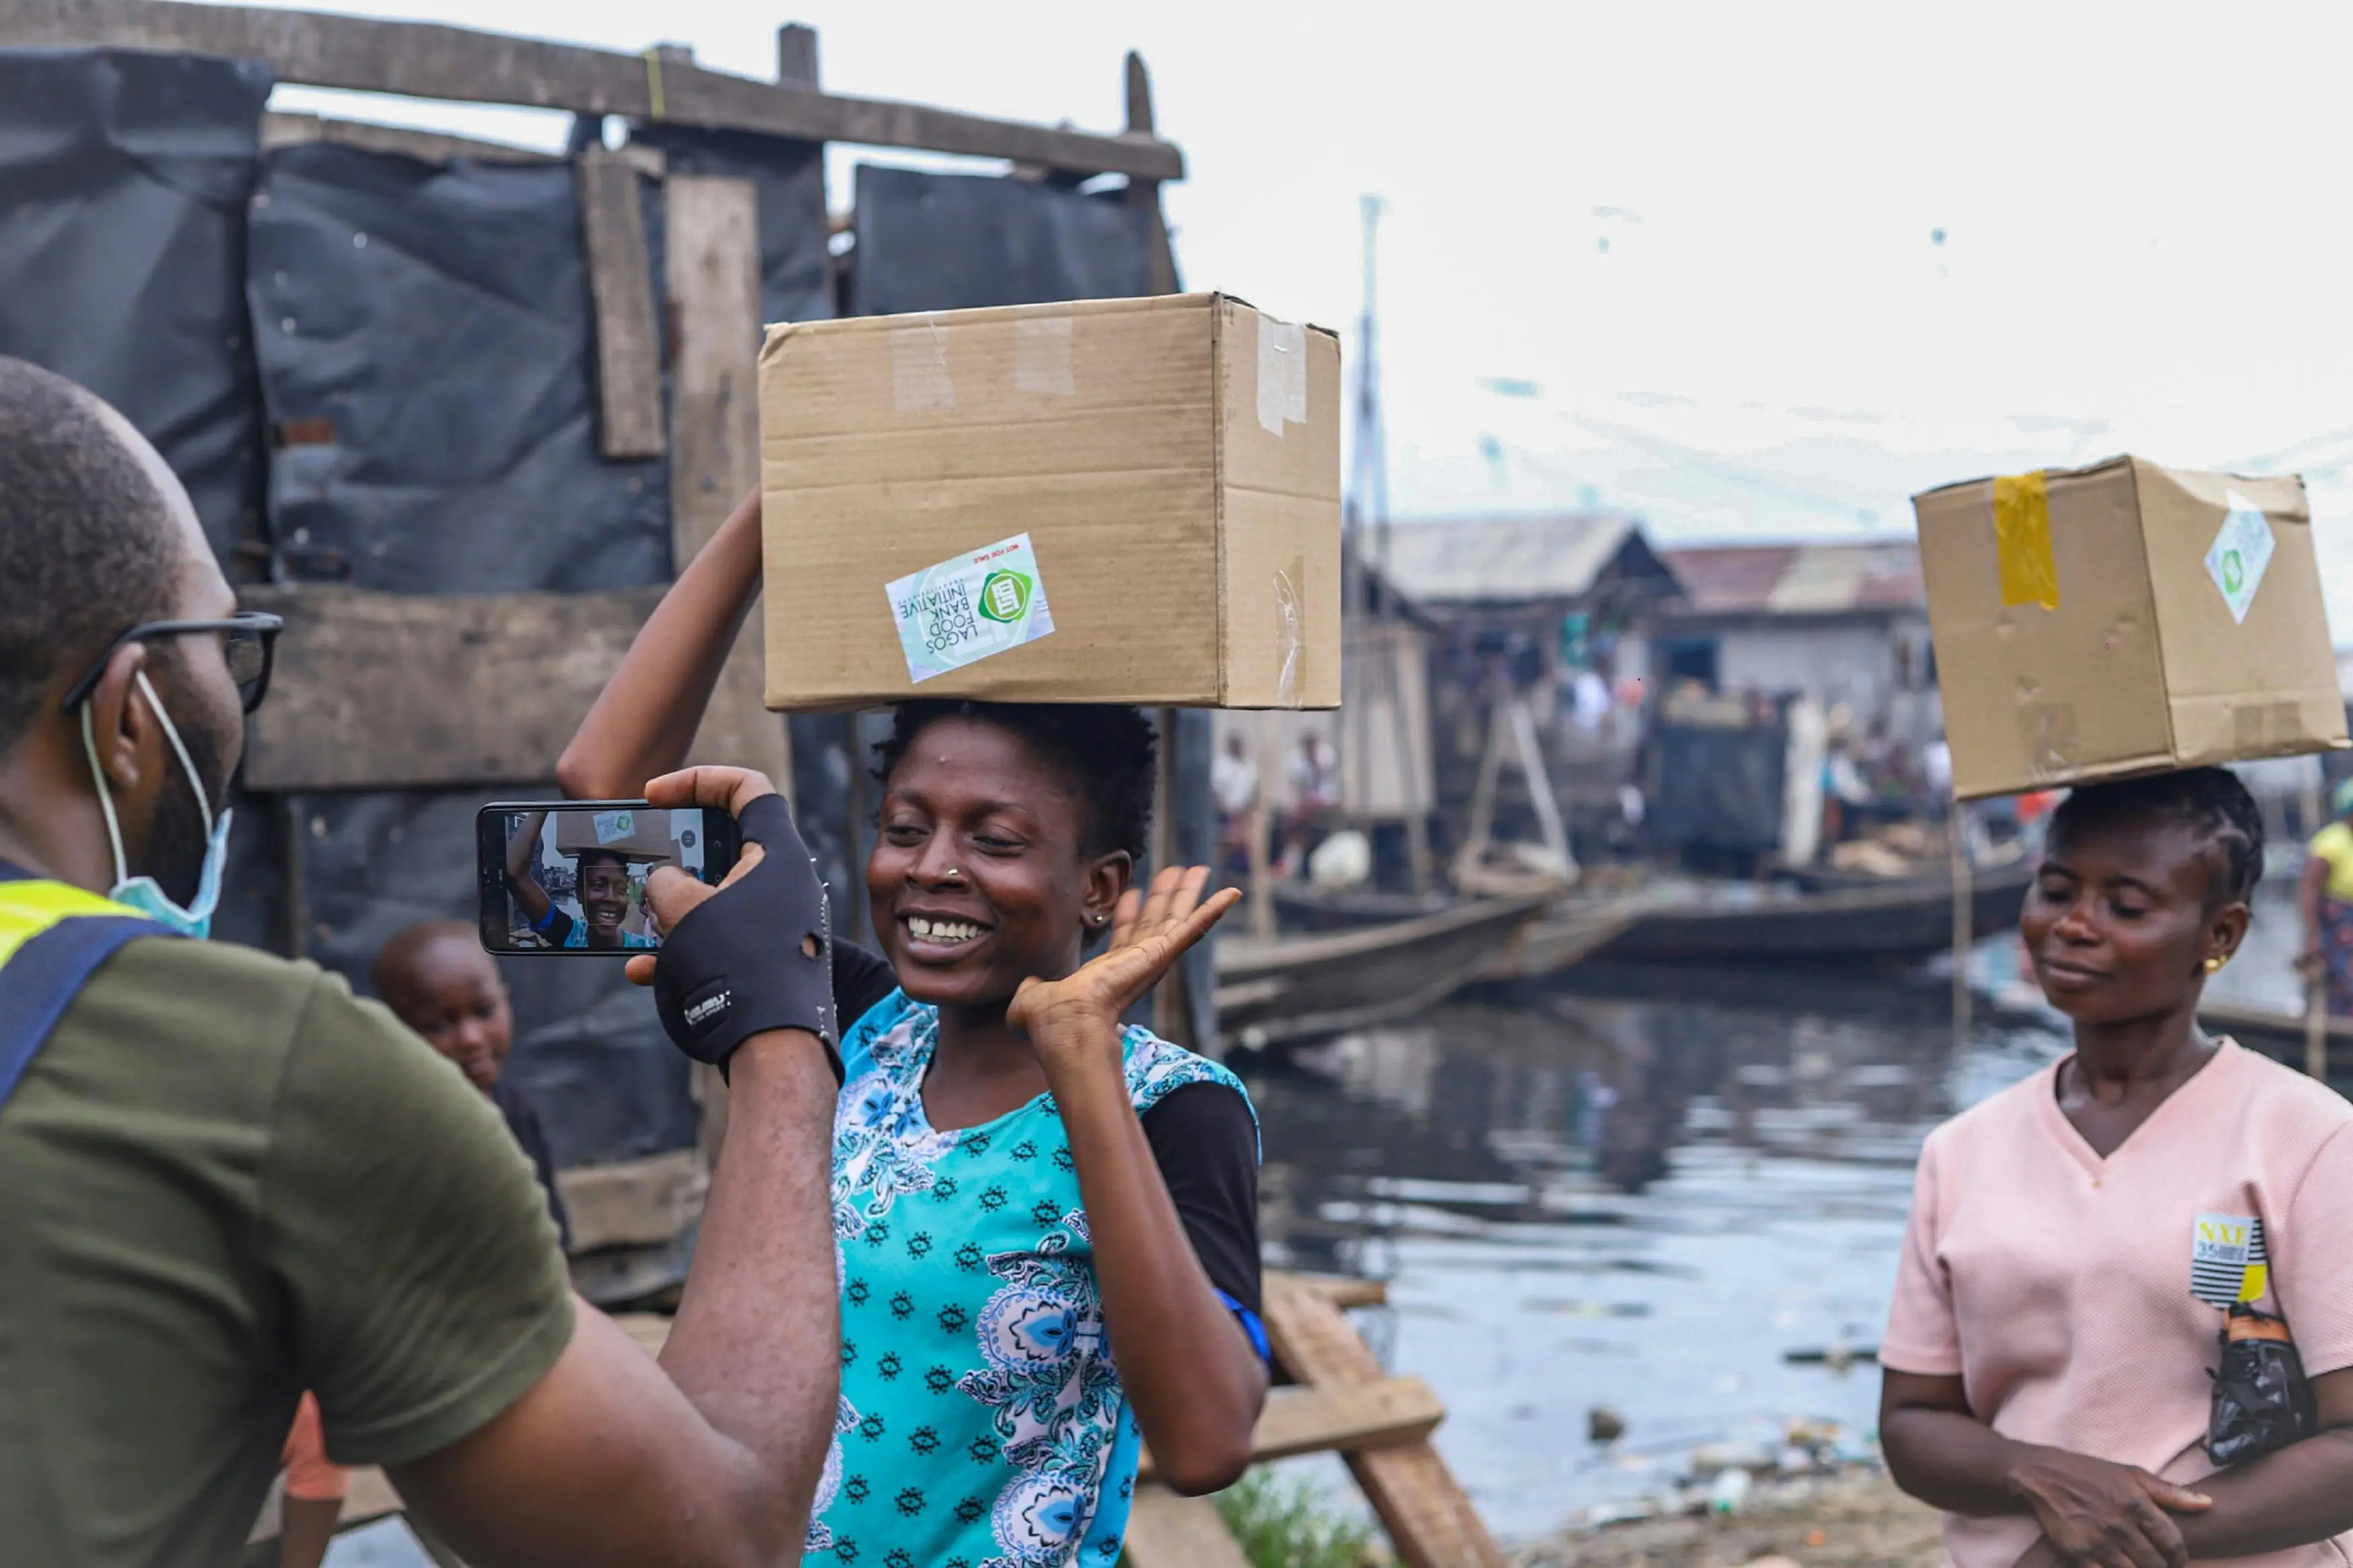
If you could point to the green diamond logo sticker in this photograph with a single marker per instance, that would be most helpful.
(1004, 595)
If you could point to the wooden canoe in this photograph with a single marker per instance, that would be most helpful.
(1904, 919)
(2279, 1035)
(1300, 988)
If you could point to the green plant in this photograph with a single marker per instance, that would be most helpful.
(1287, 1525)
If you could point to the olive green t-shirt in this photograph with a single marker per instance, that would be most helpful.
(224, 1180)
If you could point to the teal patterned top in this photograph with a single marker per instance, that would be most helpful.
(982, 1424)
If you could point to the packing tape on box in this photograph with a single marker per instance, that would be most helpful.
(2257, 727)
(2021, 541)
(919, 368)
(1042, 354)
(2052, 739)
(1289, 638)
(1282, 374)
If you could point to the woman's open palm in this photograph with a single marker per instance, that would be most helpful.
(1149, 933)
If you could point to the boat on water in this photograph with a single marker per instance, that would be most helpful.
(2280, 1035)
(1906, 918)
(1285, 990)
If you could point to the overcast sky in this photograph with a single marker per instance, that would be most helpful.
(1696, 245)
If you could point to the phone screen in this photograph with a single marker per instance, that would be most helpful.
(571, 878)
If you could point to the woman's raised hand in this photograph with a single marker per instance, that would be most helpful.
(1149, 933)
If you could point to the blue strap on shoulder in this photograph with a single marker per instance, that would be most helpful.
(1251, 1326)
(41, 979)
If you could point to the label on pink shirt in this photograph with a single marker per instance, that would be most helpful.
(2227, 1264)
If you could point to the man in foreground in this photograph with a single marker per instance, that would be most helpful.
(228, 1181)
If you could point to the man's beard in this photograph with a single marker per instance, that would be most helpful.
(177, 840)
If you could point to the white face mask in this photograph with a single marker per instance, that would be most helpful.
(144, 893)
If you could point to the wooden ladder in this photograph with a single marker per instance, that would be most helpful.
(1341, 1402)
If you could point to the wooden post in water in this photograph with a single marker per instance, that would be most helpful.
(1964, 923)
(2315, 1028)
(1262, 833)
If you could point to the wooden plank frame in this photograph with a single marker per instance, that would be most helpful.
(1428, 1515)
(621, 284)
(401, 691)
(429, 61)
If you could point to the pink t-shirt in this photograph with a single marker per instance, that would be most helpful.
(2059, 1285)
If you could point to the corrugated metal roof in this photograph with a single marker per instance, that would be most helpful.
(1798, 579)
(1504, 559)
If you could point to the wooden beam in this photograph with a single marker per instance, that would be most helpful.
(797, 54)
(1143, 192)
(711, 235)
(633, 1203)
(1342, 1291)
(1166, 1530)
(1341, 1418)
(621, 282)
(295, 129)
(429, 61)
(1428, 1516)
(403, 690)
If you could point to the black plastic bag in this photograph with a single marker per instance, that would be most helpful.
(2262, 1402)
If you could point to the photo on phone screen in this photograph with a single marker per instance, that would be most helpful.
(572, 878)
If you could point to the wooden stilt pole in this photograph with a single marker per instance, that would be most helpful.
(1964, 924)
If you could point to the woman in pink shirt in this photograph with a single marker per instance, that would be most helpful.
(2077, 1239)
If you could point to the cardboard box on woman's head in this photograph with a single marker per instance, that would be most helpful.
(1112, 500)
(2124, 618)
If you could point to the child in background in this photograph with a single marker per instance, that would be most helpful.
(438, 980)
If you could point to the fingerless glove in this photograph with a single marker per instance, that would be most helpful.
(740, 962)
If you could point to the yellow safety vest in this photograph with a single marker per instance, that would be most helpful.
(53, 937)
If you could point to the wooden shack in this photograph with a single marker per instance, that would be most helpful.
(459, 411)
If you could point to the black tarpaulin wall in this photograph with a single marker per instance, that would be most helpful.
(427, 351)
(795, 282)
(1717, 790)
(123, 179)
(952, 242)
(428, 348)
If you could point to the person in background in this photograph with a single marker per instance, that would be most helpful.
(1315, 777)
(437, 979)
(2079, 1242)
(315, 1488)
(2324, 897)
(1233, 781)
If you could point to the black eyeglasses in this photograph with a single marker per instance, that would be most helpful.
(249, 638)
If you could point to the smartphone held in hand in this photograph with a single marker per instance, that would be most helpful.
(570, 877)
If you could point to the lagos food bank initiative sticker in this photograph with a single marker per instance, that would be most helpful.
(612, 827)
(970, 607)
(2227, 1261)
(2240, 553)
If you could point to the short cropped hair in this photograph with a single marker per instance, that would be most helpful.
(1108, 753)
(2210, 800)
(88, 545)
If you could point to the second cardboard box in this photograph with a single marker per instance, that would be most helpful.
(2124, 618)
